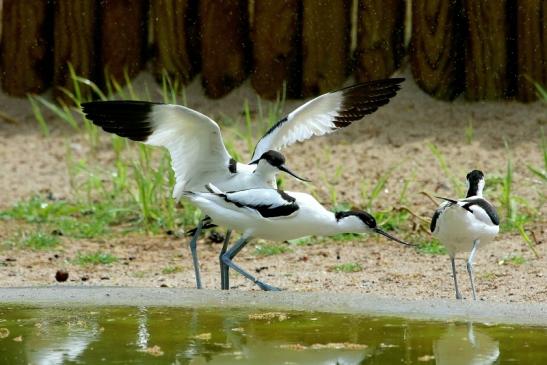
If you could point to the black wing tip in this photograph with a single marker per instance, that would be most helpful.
(392, 82)
(126, 118)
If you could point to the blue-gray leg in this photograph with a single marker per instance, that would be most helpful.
(193, 250)
(458, 294)
(470, 267)
(227, 260)
(224, 280)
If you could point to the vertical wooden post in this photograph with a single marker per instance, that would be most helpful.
(123, 38)
(325, 44)
(224, 45)
(276, 37)
(176, 38)
(436, 49)
(380, 31)
(74, 35)
(486, 55)
(25, 46)
(531, 47)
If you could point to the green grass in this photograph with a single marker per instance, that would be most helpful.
(133, 193)
(541, 173)
(432, 247)
(514, 260)
(171, 270)
(456, 184)
(38, 241)
(94, 258)
(271, 249)
(469, 132)
(348, 267)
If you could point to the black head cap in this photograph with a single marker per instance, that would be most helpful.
(362, 215)
(475, 176)
(274, 158)
(473, 183)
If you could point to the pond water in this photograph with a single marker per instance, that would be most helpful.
(160, 335)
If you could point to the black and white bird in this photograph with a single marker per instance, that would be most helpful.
(275, 215)
(198, 154)
(461, 225)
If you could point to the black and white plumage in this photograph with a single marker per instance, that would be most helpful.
(194, 141)
(198, 153)
(275, 215)
(461, 225)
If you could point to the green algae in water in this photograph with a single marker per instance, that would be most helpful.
(158, 335)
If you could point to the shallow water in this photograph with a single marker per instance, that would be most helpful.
(159, 335)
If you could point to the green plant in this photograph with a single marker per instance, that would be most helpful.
(457, 186)
(348, 267)
(271, 249)
(537, 171)
(469, 132)
(94, 258)
(515, 260)
(370, 195)
(171, 270)
(432, 247)
(39, 241)
(527, 240)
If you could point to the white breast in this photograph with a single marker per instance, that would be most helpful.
(458, 228)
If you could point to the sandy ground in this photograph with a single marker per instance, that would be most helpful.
(397, 136)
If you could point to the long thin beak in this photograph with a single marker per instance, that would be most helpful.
(379, 231)
(286, 169)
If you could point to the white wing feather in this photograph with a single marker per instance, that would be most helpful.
(254, 197)
(194, 142)
(313, 118)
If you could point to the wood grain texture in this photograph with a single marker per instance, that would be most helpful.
(436, 48)
(75, 42)
(380, 31)
(531, 47)
(176, 38)
(224, 45)
(486, 54)
(25, 49)
(276, 37)
(325, 45)
(123, 38)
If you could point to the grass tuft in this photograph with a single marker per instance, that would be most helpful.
(514, 260)
(433, 247)
(271, 249)
(171, 270)
(94, 258)
(348, 267)
(39, 241)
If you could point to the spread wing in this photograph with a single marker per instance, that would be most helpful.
(328, 113)
(269, 203)
(194, 140)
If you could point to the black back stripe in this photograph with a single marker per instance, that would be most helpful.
(486, 206)
(266, 210)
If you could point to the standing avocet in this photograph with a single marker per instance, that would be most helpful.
(461, 225)
(275, 215)
(198, 154)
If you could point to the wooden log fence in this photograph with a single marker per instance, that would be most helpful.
(485, 49)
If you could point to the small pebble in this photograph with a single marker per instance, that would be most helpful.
(61, 275)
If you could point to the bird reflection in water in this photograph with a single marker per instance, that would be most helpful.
(464, 345)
